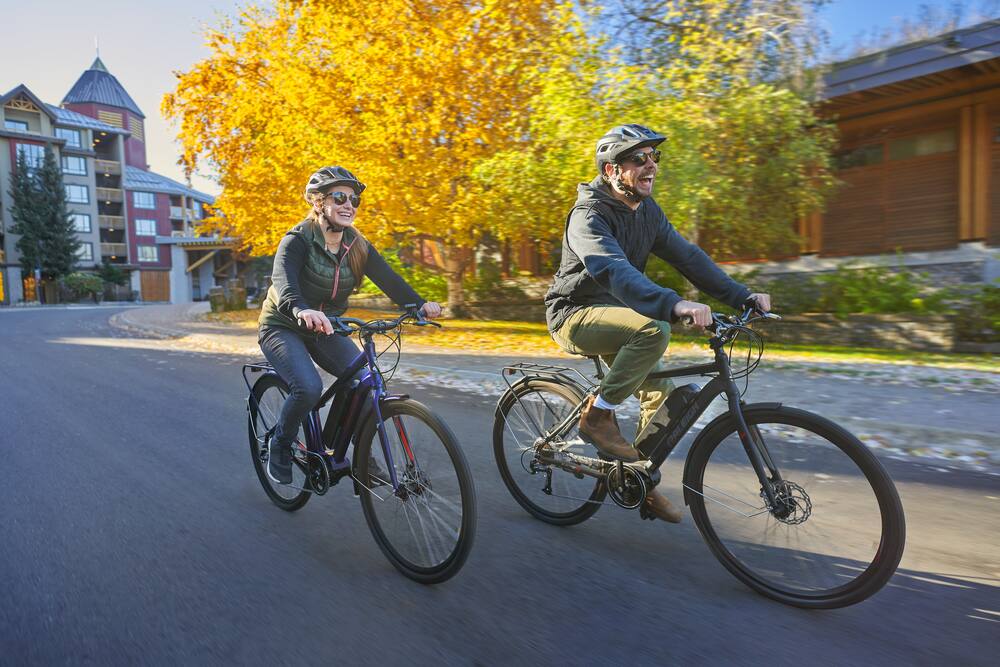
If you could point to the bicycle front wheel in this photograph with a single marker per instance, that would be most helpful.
(838, 532)
(426, 526)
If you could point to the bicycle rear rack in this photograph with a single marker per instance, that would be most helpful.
(561, 373)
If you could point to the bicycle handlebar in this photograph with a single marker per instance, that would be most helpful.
(345, 326)
(721, 322)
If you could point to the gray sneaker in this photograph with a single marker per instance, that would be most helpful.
(279, 463)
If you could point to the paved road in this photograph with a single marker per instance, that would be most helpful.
(135, 530)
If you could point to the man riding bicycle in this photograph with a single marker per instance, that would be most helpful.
(601, 302)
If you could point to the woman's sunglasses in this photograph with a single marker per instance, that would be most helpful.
(341, 198)
(639, 159)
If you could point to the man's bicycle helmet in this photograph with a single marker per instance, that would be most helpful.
(622, 140)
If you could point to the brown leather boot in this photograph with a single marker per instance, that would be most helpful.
(598, 426)
(658, 506)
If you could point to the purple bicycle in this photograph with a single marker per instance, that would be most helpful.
(415, 487)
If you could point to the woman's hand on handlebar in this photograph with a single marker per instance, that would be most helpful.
(431, 309)
(315, 320)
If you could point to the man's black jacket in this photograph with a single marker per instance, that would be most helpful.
(605, 248)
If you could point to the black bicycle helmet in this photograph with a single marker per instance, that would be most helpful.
(622, 140)
(323, 179)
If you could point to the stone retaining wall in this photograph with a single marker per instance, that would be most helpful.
(929, 333)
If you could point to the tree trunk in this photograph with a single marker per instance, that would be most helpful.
(456, 259)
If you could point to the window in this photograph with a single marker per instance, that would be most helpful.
(144, 200)
(862, 156)
(78, 194)
(145, 227)
(922, 144)
(18, 125)
(35, 155)
(72, 137)
(76, 166)
(81, 222)
(85, 253)
(147, 253)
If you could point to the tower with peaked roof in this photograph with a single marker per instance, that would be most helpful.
(98, 94)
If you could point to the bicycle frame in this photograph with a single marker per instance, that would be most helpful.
(355, 399)
(660, 445)
(721, 383)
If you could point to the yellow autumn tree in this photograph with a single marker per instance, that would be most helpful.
(409, 94)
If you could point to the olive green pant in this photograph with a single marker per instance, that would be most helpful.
(632, 345)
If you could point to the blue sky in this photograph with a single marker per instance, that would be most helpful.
(49, 43)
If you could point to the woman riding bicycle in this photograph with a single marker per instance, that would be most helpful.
(601, 303)
(319, 262)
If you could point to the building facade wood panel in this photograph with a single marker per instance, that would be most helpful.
(155, 285)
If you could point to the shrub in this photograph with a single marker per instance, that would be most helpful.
(84, 284)
(488, 284)
(849, 289)
(978, 313)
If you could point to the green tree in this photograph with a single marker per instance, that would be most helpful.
(48, 240)
(726, 80)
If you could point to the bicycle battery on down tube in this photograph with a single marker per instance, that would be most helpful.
(669, 413)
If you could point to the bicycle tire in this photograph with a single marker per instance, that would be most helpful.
(428, 497)
(567, 397)
(826, 487)
(268, 381)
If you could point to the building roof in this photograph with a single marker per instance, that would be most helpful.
(967, 46)
(22, 89)
(74, 119)
(99, 86)
(148, 181)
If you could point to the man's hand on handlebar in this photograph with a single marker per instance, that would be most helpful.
(761, 301)
(315, 320)
(431, 310)
(693, 313)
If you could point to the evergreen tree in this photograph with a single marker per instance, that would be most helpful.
(48, 239)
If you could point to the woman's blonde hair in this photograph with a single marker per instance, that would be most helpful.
(357, 253)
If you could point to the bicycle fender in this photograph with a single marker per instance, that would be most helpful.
(707, 433)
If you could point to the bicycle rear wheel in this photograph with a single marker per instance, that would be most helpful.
(839, 531)
(546, 491)
(266, 400)
(427, 526)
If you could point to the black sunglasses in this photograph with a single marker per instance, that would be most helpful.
(639, 159)
(341, 198)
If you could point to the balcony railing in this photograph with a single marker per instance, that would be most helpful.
(114, 249)
(108, 167)
(113, 223)
(109, 194)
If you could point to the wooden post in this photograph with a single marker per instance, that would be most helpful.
(981, 173)
(966, 159)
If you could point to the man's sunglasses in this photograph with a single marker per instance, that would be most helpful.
(640, 158)
(341, 198)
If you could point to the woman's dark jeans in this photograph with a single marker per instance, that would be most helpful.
(292, 355)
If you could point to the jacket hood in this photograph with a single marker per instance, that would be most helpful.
(597, 191)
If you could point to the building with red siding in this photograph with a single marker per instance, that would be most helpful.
(126, 215)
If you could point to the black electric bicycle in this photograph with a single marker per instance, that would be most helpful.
(415, 487)
(792, 504)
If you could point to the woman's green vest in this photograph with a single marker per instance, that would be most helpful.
(316, 278)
